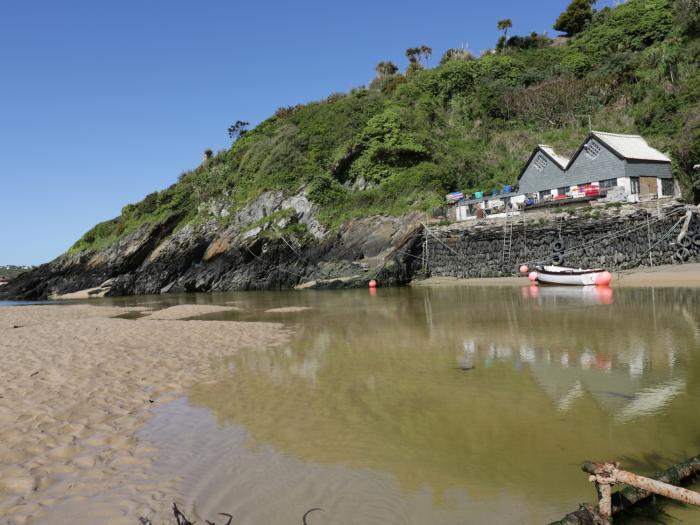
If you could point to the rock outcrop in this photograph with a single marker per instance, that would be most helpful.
(254, 249)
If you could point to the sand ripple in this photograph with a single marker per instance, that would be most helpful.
(75, 385)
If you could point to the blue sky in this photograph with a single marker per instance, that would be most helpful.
(102, 103)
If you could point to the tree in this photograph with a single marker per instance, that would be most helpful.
(386, 69)
(238, 129)
(415, 54)
(504, 25)
(575, 17)
(427, 52)
(501, 44)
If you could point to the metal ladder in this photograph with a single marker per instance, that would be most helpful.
(507, 236)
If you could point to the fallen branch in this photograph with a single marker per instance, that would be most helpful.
(181, 519)
(678, 475)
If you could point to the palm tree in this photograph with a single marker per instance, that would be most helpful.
(504, 25)
(385, 69)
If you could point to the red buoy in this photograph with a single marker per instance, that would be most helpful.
(373, 284)
(603, 279)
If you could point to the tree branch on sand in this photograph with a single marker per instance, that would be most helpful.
(181, 519)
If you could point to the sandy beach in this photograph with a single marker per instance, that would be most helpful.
(76, 383)
(666, 276)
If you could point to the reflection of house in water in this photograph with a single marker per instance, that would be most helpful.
(624, 384)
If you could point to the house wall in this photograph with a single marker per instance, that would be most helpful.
(625, 183)
(585, 169)
(648, 169)
(534, 180)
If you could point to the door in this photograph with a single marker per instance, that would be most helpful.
(647, 186)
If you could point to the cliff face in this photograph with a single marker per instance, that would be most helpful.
(275, 242)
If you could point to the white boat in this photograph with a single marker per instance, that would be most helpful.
(570, 276)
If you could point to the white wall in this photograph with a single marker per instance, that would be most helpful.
(462, 213)
(625, 183)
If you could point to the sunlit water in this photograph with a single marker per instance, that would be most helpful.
(437, 406)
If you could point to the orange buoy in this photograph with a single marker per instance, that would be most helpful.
(373, 284)
(524, 268)
(603, 279)
(532, 276)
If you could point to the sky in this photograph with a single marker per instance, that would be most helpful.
(102, 103)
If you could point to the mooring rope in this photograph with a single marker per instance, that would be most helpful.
(439, 240)
(665, 235)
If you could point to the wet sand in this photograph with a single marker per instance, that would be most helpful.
(76, 384)
(666, 276)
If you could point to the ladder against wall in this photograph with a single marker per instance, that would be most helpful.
(508, 236)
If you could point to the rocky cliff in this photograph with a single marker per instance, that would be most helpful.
(274, 242)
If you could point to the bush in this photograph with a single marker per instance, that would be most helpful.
(575, 17)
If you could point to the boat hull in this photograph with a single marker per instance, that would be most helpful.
(562, 276)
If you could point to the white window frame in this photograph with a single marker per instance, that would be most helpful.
(540, 162)
(593, 149)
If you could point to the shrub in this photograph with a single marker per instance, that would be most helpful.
(575, 17)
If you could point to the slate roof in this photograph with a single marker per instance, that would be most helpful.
(631, 147)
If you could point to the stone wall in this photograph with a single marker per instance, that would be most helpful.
(615, 239)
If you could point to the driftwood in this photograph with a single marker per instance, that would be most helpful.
(181, 519)
(679, 474)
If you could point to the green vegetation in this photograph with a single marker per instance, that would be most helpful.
(468, 124)
(575, 17)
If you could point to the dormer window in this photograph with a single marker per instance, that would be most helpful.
(592, 149)
(540, 162)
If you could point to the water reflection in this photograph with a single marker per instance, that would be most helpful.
(490, 392)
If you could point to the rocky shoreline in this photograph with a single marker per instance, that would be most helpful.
(256, 252)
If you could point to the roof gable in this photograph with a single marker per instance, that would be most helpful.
(548, 152)
(626, 147)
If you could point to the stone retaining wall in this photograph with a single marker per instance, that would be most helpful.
(616, 239)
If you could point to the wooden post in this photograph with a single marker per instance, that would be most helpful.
(651, 259)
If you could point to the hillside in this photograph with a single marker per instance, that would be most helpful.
(397, 146)
(10, 271)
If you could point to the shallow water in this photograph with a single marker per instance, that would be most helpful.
(440, 406)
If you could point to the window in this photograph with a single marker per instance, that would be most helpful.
(608, 183)
(634, 185)
(563, 190)
(668, 187)
(540, 162)
(592, 149)
(544, 194)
